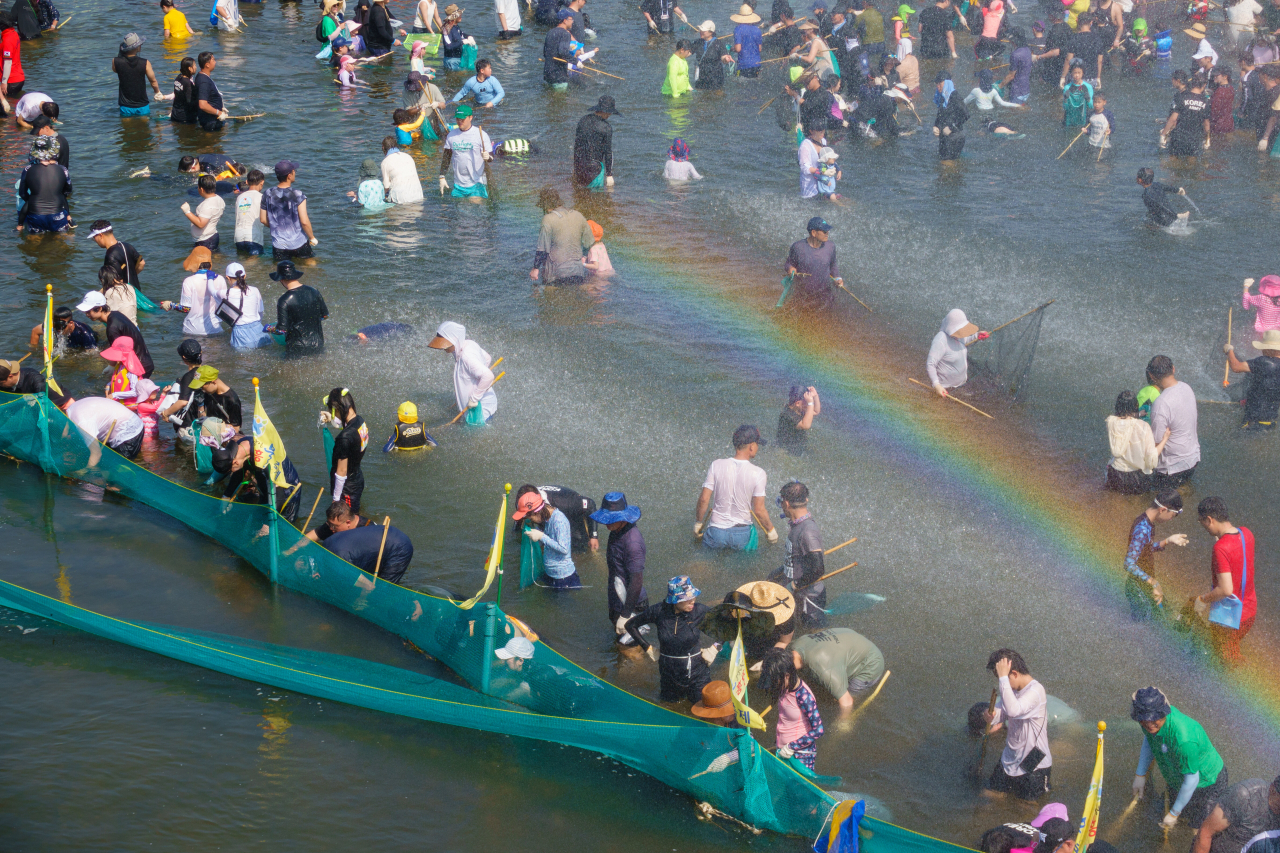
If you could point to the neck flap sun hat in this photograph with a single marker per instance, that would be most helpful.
(122, 350)
(1269, 285)
(678, 151)
(614, 508)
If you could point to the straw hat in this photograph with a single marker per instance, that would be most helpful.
(716, 702)
(772, 598)
(1270, 340)
(1197, 30)
(807, 25)
(746, 15)
(199, 255)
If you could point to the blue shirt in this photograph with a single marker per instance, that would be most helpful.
(81, 337)
(1020, 63)
(487, 92)
(555, 547)
(748, 35)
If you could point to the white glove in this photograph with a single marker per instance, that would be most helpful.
(534, 534)
(936, 131)
(652, 653)
(1228, 348)
(1179, 539)
(338, 484)
(608, 181)
(314, 241)
(1262, 144)
(1200, 607)
(1206, 143)
(1164, 141)
(1169, 820)
(621, 625)
(1248, 283)
(772, 536)
(1139, 786)
(186, 208)
(588, 55)
(653, 26)
(324, 419)
(222, 116)
(444, 185)
(1182, 190)
(785, 752)
(946, 131)
(697, 528)
(710, 652)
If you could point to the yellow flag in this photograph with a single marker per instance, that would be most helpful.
(50, 335)
(268, 449)
(1092, 802)
(738, 685)
(495, 557)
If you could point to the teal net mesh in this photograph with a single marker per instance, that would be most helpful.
(549, 698)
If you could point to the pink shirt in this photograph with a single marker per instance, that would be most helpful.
(1268, 312)
(598, 254)
(991, 18)
(792, 724)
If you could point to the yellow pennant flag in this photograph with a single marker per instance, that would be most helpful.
(495, 557)
(738, 685)
(268, 449)
(50, 335)
(1093, 801)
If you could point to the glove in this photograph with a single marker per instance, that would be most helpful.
(1169, 820)
(697, 528)
(772, 536)
(1200, 607)
(186, 208)
(1164, 141)
(652, 653)
(608, 181)
(710, 652)
(653, 26)
(535, 534)
(444, 185)
(1262, 144)
(785, 752)
(942, 392)
(1139, 786)
(1248, 283)
(222, 116)
(621, 625)
(1228, 348)
(314, 242)
(1206, 143)
(324, 418)
(1182, 190)
(982, 336)
(946, 131)
(338, 484)
(1179, 539)
(937, 132)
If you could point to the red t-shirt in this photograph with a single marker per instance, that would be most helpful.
(1226, 558)
(11, 49)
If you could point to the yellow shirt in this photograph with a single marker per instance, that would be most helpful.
(176, 23)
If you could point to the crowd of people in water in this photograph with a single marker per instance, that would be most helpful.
(850, 72)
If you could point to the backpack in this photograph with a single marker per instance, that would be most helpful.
(320, 32)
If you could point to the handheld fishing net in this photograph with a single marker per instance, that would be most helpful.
(1002, 363)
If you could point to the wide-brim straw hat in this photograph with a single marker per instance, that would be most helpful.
(1270, 340)
(1197, 31)
(746, 15)
(772, 598)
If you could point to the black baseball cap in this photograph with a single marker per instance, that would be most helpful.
(817, 223)
(189, 351)
(747, 434)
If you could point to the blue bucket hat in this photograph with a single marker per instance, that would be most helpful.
(681, 589)
(614, 508)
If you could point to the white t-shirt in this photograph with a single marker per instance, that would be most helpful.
(808, 157)
(1025, 714)
(210, 208)
(735, 482)
(1242, 13)
(469, 148)
(509, 8)
(680, 170)
(249, 302)
(28, 106)
(202, 295)
(400, 176)
(95, 417)
(248, 222)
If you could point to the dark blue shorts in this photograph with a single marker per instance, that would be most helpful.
(39, 223)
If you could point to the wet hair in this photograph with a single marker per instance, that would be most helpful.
(62, 314)
(1199, 80)
(1018, 37)
(401, 116)
(108, 277)
(482, 64)
(1160, 367)
(341, 404)
(1213, 507)
(682, 44)
(1179, 76)
(1222, 70)
(1099, 96)
(388, 142)
(207, 183)
(1145, 177)
(795, 493)
(188, 67)
(50, 109)
(186, 162)
(6, 21)
(338, 511)
(778, 673)
(166, 3)
(1245, 57)
(978, 727)
(254, 178)
(100, 225)
(203, 59)
(549, 199)
(1126, 405)
(1016, 663)
(1169, 499)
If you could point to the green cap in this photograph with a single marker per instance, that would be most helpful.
(462, 112)
(204, 375)
(904, 11)
(1139, 25)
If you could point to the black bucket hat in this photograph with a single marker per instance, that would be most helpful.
(286, 271)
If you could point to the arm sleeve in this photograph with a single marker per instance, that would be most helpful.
(1020, 709)
(694, 173)
(835, 269)
(558, 538)
(386, 179)
(1144, 758)
(586, 238)
(497, 87)
(282, 315)
(809, 706)
(971, 97)
(608, 149)
(1141, 536)
(467, 90)
(1190, 782)
(635, 573)
(648, 617)
(24, 193)
(324, 309)
(936, 350)
(1159, 417)
(1001, 101)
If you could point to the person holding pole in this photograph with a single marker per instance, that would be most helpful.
(378, 549)
(1193, 772)
(246, 483)
(948, 361)
(1262, 400)
(1024, 766)
(802, 557)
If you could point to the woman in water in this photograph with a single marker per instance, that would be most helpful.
(799, 723)
(986, 95)
(1133, 450)
(1077, 98)
(246, 302)
(120, 295)
(1266, 302)
(184, 93)
(951, 118)
(682, 669)
(345, 477)
(426, 17)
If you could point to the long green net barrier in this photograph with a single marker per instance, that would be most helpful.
(568, 704)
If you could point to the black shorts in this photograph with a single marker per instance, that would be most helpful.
(209, 122)
(1202, 801)
(1128, 482)
(303, 251)
(129, 449)
(210, 243)
(1029, 786)
(1160, 481)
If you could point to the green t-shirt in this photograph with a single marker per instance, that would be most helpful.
(1182, 747)
(835, 656)
(327, 26)
(1146, 396)
(873, 26)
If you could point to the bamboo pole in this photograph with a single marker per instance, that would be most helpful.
(838, 547)
(952, 397)
(63, 22)
(1020, 316)
(1226, 370)
(591, 68)
(876, 692)
(827, 575)
(386, 528)
(766, 104)
(245, 118)
(851, 293)
(1082, 132)
(307, 523)
(986, 733)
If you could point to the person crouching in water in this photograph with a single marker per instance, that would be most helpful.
(555, 538)
(682, 665)
(408, 433)
(799, 723)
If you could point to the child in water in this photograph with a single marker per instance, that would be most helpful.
(408, 433)
(799, 723)
(829, 173)
(986, 94)
(678, 167)
(347, 73)
(1100, 126)
(597, 259)
(1077, 98)
(408, 124)
(1138, 47)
